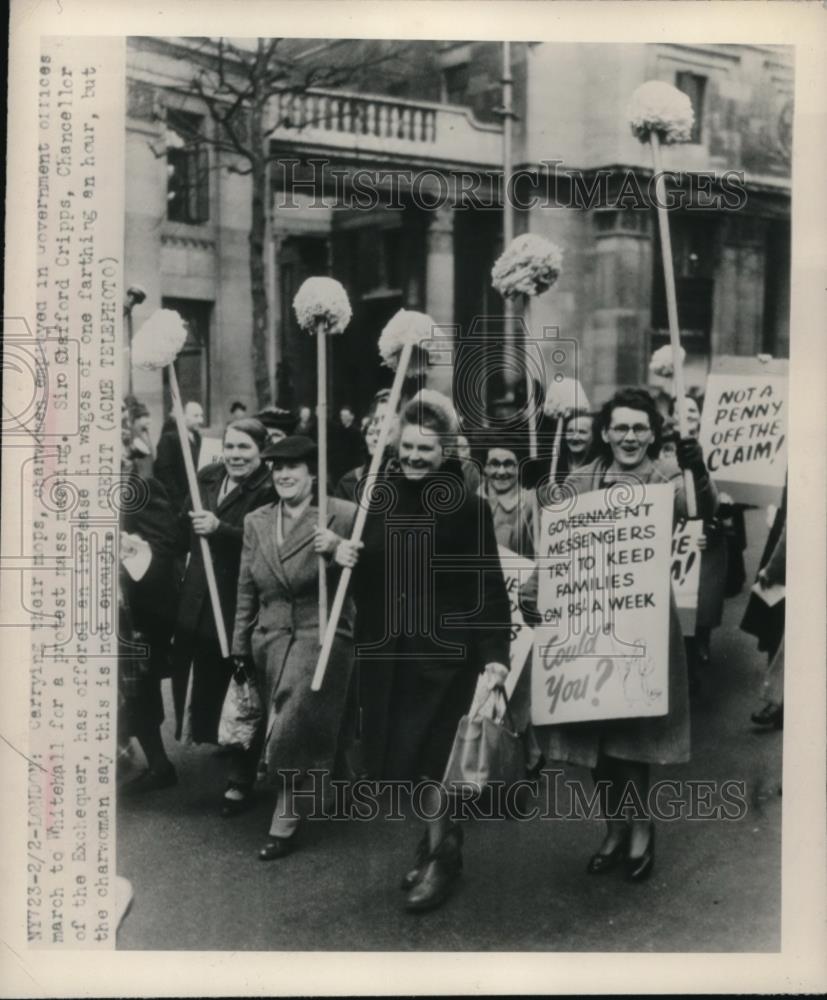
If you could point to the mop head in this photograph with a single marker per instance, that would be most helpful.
(407, 326)
(529, 265)
(663, 362)
(563, 396)
(660, 107)
(321, 304)
(159, 340)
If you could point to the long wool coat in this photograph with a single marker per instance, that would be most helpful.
(277, 623)
(653, 740)
(432, 612)
(196, 638)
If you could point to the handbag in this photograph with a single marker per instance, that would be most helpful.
(241, 713)
(485, 752)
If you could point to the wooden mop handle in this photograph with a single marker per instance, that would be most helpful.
(362, 514)
(321, 423)
(530, 400)
(198, 507)
(672, 312)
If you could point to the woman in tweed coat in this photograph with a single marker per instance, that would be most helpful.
(277, 631)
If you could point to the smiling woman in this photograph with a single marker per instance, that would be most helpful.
(620, 751)
(432, 615)
(276, 638)
(229, 491)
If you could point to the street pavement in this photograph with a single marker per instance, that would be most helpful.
(716, 885)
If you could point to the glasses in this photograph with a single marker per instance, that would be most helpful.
(495, 464)
(622, 430)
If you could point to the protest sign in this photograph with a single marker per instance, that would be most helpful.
(685, 571)
(744, 428)
(212, 450)
(601, 651)
(516, 571)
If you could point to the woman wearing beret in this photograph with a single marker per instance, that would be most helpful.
(229, 490)
(276, 635)
(433, 615)
(620, 752)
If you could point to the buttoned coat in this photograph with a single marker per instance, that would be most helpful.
(653, 740)
(277, 624)
(196, 638)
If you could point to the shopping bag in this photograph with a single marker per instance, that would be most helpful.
(486, 751)
(241, 714)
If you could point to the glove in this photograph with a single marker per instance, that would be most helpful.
(242, 667)
(495, 675)
(690, 455)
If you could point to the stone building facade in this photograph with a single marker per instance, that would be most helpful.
(394, 189)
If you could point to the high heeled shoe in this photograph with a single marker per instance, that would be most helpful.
(638, 869)
(599, 863)
(275, 848)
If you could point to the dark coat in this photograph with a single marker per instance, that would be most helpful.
(765, 623)
(432, 611)
(196, 638)
(147, 607)
(153, 600)
(169, 468)
(654, 740)
(277, 623)
(347, 449)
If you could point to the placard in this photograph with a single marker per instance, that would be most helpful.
(212, 450)
(601, 651)
(744, 428)
(516, 571)
(685, 571)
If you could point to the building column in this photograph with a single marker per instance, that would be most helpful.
(439, 285)
(439, 265)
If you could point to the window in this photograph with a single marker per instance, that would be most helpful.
(188, 179)
(694, 86)
(192, 366)
(455, 83)
(694, 255)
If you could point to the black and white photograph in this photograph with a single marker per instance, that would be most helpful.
(398, 443)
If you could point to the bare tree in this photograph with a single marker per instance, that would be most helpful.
(243, 86)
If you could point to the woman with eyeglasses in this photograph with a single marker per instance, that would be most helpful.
(511, 506)
(620, 752)
(276, 635)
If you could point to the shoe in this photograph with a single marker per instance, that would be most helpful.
(437, 877)
(234, 807)
(599, 863)
(276, 847)
(639, 869)
(771, 716)
(151, 781)
(421, 856)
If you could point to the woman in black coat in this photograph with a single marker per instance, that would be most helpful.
(432, 614)
(229, 491)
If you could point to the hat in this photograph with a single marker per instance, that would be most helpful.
(275, 418)
(297, 448)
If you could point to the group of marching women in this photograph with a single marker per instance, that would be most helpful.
(425, 626)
